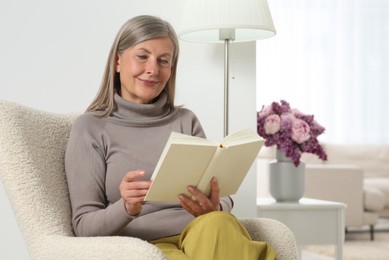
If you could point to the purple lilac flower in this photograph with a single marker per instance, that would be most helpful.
(283, 138)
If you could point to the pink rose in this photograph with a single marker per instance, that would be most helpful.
(300, 131)
(288, 117)
(272, 124)
(265, 111)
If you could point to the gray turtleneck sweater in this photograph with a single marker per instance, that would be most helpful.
(102, 150)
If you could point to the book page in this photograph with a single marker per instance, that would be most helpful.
(230, 167)
(241, 137)
(181, 164)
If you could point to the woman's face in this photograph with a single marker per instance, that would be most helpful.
(144, 69)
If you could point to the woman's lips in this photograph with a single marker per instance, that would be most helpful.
(149, 82)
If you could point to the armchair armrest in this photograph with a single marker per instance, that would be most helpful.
(77, 248)
(275, 233)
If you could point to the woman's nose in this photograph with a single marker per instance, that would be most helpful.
(152, 67)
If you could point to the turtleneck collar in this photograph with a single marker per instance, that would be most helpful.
(134, 114)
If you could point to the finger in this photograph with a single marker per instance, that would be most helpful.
(197, 194)
(191, 206)
(134, 189)
(215, 192)
(137, 185)
(187, 200)
(125, 187)
(187, 208)
(201, 199)
(128, 194)
(133, 175)
(197, 207)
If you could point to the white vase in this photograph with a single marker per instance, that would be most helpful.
(286, 181)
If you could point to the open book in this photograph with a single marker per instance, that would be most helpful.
(188, 160)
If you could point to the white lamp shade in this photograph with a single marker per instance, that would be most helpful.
(248, 20)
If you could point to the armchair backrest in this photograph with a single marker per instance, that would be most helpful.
(32, 149)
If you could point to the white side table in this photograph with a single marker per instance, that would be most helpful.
(311, 221)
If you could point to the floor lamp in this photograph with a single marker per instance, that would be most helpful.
(223, 21)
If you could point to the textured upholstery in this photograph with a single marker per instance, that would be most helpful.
(32, 147)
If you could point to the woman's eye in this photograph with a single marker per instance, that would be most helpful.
(164, 62)
(142, 57)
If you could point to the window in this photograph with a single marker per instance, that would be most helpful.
(330, 58)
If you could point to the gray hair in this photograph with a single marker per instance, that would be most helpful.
(136, 30)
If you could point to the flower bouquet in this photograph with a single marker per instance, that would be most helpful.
(290, 130)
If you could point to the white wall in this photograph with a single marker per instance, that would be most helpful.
(53, 54)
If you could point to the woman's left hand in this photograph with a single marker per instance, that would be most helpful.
(202, 204)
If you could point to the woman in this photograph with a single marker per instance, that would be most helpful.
(114, 147)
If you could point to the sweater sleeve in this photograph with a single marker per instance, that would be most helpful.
(85, 172)
(226, 203)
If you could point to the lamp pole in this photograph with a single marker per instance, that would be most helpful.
(226, 83)
(227, 35)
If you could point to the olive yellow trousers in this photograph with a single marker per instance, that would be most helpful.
(213, 236)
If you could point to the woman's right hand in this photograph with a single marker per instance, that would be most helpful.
(133, 192)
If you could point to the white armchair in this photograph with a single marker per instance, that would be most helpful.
(32, 148)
